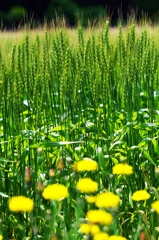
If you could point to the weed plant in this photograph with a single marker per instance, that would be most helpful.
(61, 102)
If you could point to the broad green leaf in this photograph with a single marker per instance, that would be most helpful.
(156, 147)
(133, 147)
(143, 110)
(145, 125)
(144, 141)
(141, 144)
(38, 236)
(146, 154)
(115, 161)
(59, 128)
(116, 143)
(134, 116)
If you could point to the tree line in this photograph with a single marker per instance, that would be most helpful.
(16, 11)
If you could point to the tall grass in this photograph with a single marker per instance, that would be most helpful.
(64, 101)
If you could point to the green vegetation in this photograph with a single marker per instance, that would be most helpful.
(67, 95)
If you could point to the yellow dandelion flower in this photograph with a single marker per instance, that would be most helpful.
(122, 169)
(140, 195)
(101, 236)
(21, 204)
(107, 200)
(86, 185)
(91, 199)
(55, 192)
(155, 206)
(113, 237)
(87, 228)
(86, 165)
(1, 237)
(99, 216)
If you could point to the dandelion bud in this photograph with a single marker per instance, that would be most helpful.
(75, 167)
(27, 177)
(39, 186)
(60, 164)
(51, 172)
(27, 174)
(142, 236)
(54, 237)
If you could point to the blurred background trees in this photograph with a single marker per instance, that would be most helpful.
(15, 12)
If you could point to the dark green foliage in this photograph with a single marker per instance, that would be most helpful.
(62, 100)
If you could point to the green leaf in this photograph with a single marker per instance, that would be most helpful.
(134, 117)
(5, 160)
(90, 127)
(37, 145)
(144, 141)
(116, 143)
(59, 128)
(53, 144)
(144, 125)
(3, 195)
(156, 147)
(155, 192)
(130, 199)
(100, 157)
(25, 112)
(141, 144)
(115, 161)
(148, 157)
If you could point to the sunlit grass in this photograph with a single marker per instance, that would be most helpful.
(16, 36)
